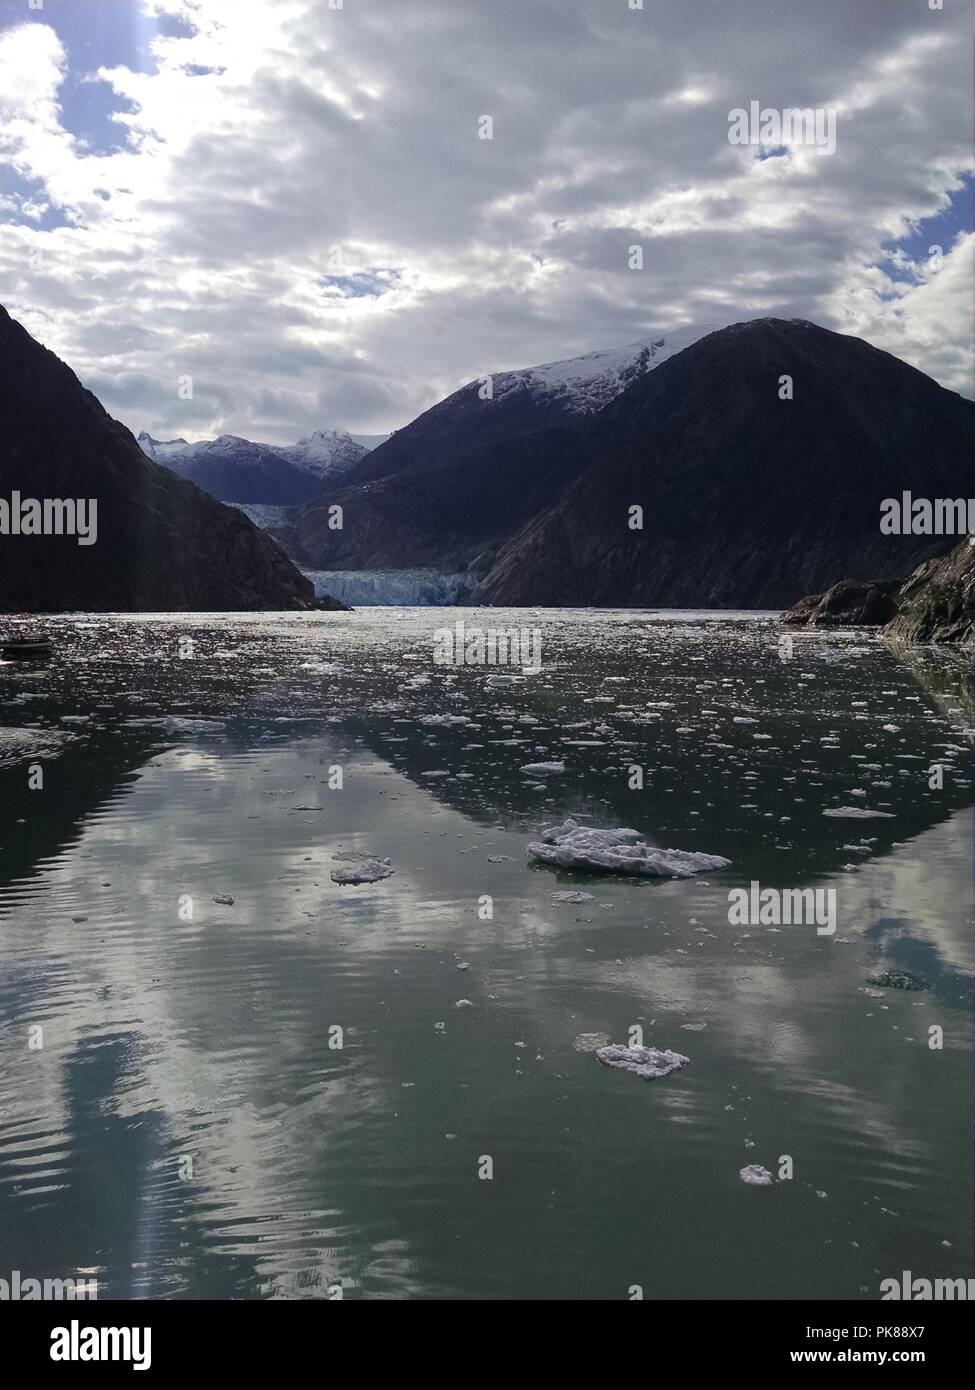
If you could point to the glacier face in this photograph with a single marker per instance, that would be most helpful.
(414, 588)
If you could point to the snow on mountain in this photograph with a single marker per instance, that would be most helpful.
(159, 449)
(326, 453)
(585, 384)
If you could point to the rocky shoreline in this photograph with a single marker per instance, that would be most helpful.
(936, 603)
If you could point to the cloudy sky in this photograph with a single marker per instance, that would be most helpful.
(288, 200)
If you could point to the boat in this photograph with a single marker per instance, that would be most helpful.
(24, 647)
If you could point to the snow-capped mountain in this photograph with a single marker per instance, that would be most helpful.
(526, 488)
(587, 383)
(160, 449)
(329, 453)
(240, 470)
(473, 463)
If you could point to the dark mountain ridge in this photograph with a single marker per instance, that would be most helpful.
(162, 544)
(748, 500)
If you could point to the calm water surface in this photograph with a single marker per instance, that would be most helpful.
(187, 1130)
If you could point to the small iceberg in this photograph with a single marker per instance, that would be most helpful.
(544, 769)
(897, 979)
(858, 813)
(365, 868)
(573, 846)
(647, 1062)
(756, 1175)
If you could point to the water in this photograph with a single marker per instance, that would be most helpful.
(187, 1130)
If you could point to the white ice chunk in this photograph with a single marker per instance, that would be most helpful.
(366, 868)
(756, 1174)
(647, 1062)
(573, 846)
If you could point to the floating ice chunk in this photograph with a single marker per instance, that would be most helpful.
(858, 813)
(647, 1062)
(194, 726)
(444, 719)
(544, 769)
(463, 1004)
(573, 846)
(591, 1042)
(366, 868)
(571, 897)
(756, 1174)
(898, 979)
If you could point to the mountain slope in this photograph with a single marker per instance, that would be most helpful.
(236, 470)
(470, 470)
(749, 500)
(162, 544)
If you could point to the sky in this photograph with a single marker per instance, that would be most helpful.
(266, 217)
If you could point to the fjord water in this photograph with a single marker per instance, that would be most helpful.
(188, 1127)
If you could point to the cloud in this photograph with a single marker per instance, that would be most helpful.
(303, 218)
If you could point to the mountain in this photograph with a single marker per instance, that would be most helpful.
(160, 449)
(468, 471)
(748, 500)
(330, 453)
(161, 543)
(239, 470)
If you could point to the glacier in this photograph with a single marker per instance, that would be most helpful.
(414, 588)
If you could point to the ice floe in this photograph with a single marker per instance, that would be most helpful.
(858, 813)
(898, 979)
(647, 1062)
(574, 846)
(756, 1175)
(364, 868)
(544, 769)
